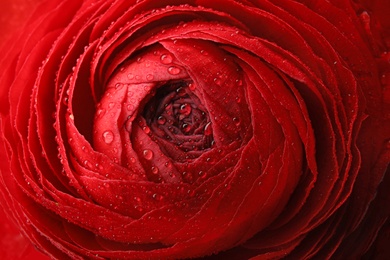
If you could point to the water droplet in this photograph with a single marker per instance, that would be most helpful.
(166, 59)
(98, 166)
(186, 128)
(168, 109)
(146, 129)
(161, 120)
(191, 86)
(191, 193)
(130, 107)
(148, 154)
(208, 129)
(157, 196)
(128, 125)
(202, 174)
(181, 92)
(148, 88)
(217, 81)
(185, 109)
(130, 76)
(154, 170)
(108, 137)
(149, 77)
(88, 164)
(100, 112)
(174, 70)
(236, 121)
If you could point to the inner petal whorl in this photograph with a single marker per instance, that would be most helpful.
(175, 114)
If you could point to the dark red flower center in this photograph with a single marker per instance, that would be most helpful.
(176, 114)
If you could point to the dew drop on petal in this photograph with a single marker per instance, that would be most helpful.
(185, 109)
(108, 137)
(181, 92)
(191, 86)
(154, 170)
(146, 129)
(130, 107)
(157, 196)
(174, 70)
(88, 164)
(148, 154)
(148, 88)
(207, 129)
(99, 166)
(166, 59)
(161, 120)
(149, 77)
(128, 125)
(186, 128)
(236, 121)
(217, 81)
(202, 174)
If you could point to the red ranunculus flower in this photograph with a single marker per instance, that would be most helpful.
(198, 128)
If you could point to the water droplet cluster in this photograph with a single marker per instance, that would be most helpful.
(176, 114)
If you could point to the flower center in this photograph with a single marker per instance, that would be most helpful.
(175, 114)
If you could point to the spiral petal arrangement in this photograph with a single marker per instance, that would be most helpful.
(181, 129)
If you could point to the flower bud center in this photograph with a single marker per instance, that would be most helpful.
(176, 114)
